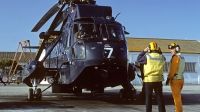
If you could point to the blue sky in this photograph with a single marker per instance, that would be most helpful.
(167, 19)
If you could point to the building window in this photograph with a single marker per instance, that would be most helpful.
(189, 67)
(166, 66)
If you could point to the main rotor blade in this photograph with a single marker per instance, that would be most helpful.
(57, 22)
(46, 17)
(58, 19)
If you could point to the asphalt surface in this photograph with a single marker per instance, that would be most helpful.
(13, 98)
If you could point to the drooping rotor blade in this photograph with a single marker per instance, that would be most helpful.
(58, 19)
(57, 22)
(46, 17)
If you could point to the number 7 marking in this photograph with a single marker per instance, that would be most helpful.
(110, 51)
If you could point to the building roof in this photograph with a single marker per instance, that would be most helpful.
(25, 57)
(187, 46)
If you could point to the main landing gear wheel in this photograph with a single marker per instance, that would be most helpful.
(77, 90)
(35, 95)
(124, 95)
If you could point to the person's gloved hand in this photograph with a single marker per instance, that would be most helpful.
(167, 82)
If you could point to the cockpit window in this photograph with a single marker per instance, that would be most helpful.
(110, 31)
(86, 28)
(83, 30)
(98, 31)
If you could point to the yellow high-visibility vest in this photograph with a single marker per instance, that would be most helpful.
(153, 70)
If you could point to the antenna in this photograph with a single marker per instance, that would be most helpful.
(117, 15)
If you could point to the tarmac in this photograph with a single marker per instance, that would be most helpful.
(104, 103)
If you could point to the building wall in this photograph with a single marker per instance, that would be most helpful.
(191, 76)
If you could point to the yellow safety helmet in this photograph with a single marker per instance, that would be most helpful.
(153, 46)
(174, 45)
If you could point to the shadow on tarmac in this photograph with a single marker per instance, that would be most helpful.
(71, 101)
(113, 97)
(30, 105)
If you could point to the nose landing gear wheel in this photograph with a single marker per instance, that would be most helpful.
(30, 94)
(35, 95)
(38, 94)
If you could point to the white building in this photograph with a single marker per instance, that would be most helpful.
(190, 49)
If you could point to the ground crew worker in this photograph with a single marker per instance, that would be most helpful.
(175, 75)
(141, 67)
(153, 75)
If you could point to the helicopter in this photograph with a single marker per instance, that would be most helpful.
(89, 51)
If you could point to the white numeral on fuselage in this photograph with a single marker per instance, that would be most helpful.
(110, 51)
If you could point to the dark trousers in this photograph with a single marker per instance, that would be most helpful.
(157, 87)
